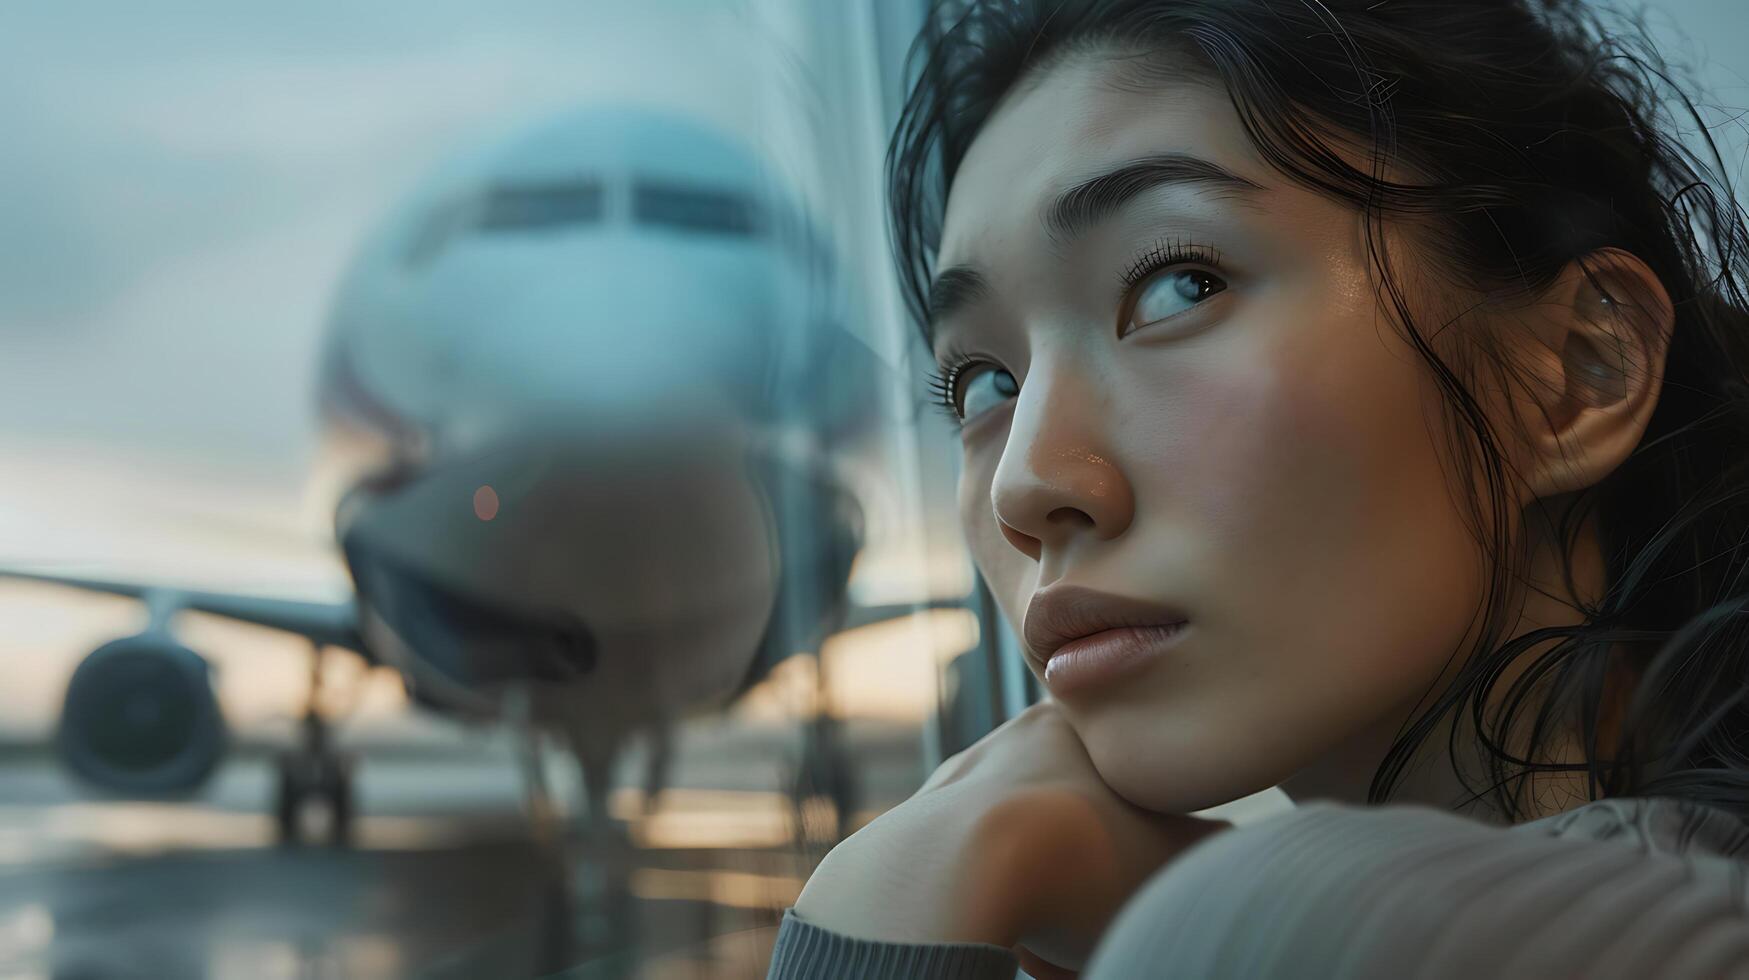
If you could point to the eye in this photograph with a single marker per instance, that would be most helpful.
(1167, 293)
(982, 387)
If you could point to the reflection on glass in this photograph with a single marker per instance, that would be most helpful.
(611, 580)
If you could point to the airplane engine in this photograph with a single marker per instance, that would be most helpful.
(140, 718)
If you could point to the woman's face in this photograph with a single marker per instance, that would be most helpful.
(1185, 390)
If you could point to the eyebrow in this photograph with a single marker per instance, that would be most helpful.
(1085, 205)
(955, 289)
(1093, 200)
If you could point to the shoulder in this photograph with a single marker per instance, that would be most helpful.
(1378, 888)
(1361, 838)
(1652, 824)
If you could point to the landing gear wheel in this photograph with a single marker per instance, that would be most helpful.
(339, 792)
(289, 800)
(305, 777)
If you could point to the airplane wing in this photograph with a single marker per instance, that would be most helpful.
(328, 623)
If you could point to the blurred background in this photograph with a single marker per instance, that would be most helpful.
(475, 459)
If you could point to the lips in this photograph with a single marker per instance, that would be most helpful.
(1059, 614)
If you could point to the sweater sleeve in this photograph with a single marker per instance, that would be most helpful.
(1637, 888)
(1619, 889)
(805, 950)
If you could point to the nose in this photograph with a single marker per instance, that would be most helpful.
(1057, 481)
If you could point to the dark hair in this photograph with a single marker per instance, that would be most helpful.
(1534, 135)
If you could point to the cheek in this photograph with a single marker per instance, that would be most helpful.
(1300, 507)
(1321, 513)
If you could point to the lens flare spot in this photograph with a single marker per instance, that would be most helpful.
(486, 503)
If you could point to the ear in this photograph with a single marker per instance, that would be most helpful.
(1596, 347)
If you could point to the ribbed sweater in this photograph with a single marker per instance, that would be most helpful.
(1618, 889)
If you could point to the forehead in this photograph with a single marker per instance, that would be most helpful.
(1081, 117)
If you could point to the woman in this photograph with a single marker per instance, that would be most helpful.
(1353, 400)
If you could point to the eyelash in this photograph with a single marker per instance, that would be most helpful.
(1162, 254)
(1169, 252)
(941, 383)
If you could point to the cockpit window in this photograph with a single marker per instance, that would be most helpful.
(559, 205)
(509, 208)
(693, 208)
(529, 207)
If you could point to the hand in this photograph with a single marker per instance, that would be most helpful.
(1016, 841)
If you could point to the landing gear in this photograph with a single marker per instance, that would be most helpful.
(660, 764)
(604, 856)
(315, 781)
(600, 830)
(319, 782)
(824, 775)
(824, 791)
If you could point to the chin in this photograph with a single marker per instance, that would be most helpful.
(1157, 771)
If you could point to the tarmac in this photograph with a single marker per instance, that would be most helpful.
(446, 875)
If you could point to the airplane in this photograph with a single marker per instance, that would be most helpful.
(579, 394)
